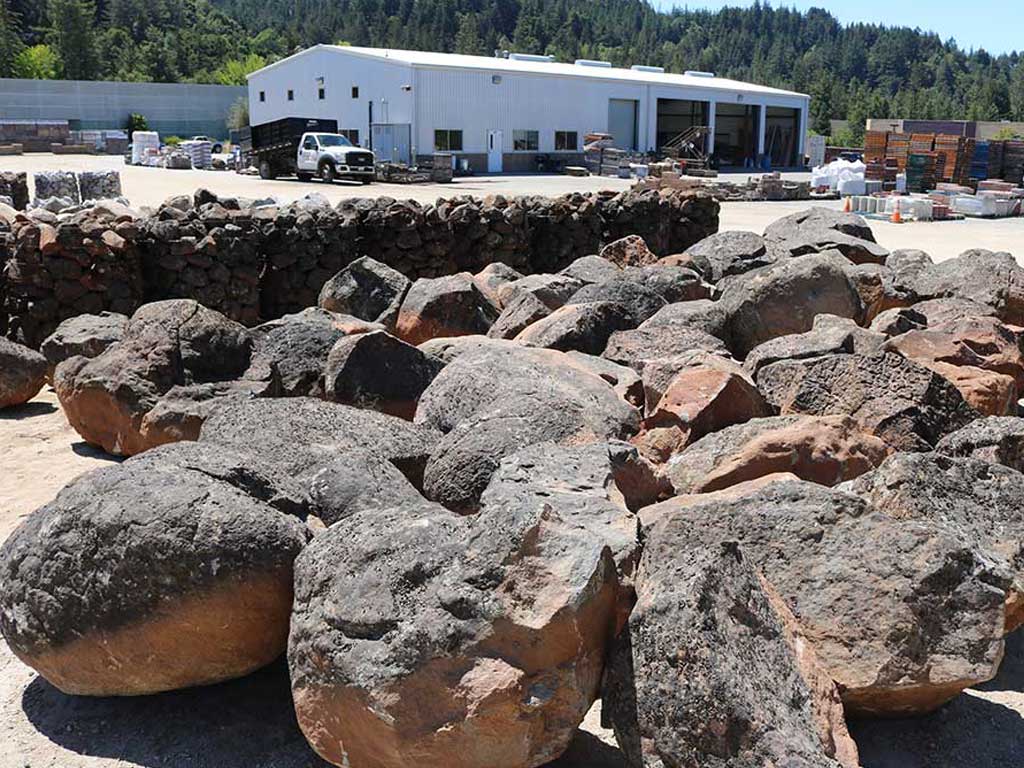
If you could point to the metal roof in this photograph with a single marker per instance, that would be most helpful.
(428, 59)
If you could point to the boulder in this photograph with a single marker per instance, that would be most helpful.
(166, 344)
(492, 277)
(725, 254)
(879, 289)
(980, 503)
(638, 347)
(702, 315)
(22, 373)
(444, 306)
(447, 348)
(817, 218)
(421, 638)
(901, 614)
(520, 312)
(494, 401)
(639, 300)
(301, 435)
(592, 269)
(552, 290)
(297, 347)
(84, 335)
(905, 404)
(707, 636)
(376, 370)
(822, 449)
(359, 481)
(785, 297)
(624, 380)
(998, 439)
(994, 280)
(829, 335)
(581, 327)
(147, 577)
(673, 284)
(951, 309)
(366, 289)
(893, 322)
(700, 399)
(629, 251)
(809, 238)
(658, 374)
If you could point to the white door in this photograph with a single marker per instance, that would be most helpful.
(308, 153)
(494, 147)
(622, 122)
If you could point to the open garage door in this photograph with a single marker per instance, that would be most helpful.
(782, 131)
(736, 127)
(622, 122)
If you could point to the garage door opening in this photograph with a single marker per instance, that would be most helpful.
(622, 122)
(677, 116)
(781, 133)
(736, 134)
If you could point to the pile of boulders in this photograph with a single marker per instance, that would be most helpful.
(740, 493)
(14, 186)
(60, 267)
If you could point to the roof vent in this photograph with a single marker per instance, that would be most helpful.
(531, 57)
(593, 63)
(698, 73)
(645, 68)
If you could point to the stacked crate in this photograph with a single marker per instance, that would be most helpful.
(955, 151)
(1013, 162)
(996, 151)
(921, 171)
(875, 146)
(898, 147)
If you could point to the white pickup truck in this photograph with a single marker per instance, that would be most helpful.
(308, 148)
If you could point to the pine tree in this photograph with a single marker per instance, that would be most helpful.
(467, 40)
(10, 40)
(71, 33)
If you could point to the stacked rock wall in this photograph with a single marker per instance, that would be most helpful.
(15, 186)
(59, 270)
(255, 263)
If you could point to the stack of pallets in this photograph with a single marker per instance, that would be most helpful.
(898, 148)
(979, 161)
(921, 171)
(922, 142)
(996, 151)
(1013, 162)
(954, 150)
(875, 146)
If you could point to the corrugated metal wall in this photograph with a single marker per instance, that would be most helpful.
(171, 108)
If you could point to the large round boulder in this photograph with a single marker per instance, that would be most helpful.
(85, 335)
(150, 576)
(444, 306)
(366, 289)
(22, 373)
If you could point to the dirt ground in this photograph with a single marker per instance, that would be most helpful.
(150, 186)
(249, 723)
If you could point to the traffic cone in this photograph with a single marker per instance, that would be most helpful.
(846, 206)
(896, 217)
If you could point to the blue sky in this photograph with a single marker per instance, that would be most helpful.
(994, 25)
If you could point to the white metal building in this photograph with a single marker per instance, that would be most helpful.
(501, 113)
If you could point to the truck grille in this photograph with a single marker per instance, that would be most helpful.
(359, 158)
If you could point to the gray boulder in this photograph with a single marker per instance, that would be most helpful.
(725, 254)
(492, 277)
(85, 335)
(519, 313)
(581, 327)
(994, 280)
(359, 481)
(640, 346)
(366, 289)
(672, 283)
(552, 290)
(22, 373)
(997, 439)
(444, 306)
(639, 300)
(592, 269)
(829, 335)
(817, 218)
(148, 577)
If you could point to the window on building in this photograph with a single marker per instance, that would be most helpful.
(291, 95)
(321, 93)
(355, 91)
(263, 95)
(352, 134)
(525, 141)
(447, 140)
(566, 141)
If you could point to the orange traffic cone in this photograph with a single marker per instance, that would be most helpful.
(896, 217)
(846, 206)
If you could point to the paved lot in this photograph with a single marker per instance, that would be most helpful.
(150, 186)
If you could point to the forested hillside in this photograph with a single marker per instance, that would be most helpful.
(852, 72)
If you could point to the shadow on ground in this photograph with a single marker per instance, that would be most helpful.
(82, 448)
(27, 411)
(247, 723)
(973, 730)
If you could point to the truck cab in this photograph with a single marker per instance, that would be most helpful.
(332, 156)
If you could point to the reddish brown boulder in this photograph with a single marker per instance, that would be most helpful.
(699, 400)
(444, 306)
(823, 449)
(629, 251)
(22, 373)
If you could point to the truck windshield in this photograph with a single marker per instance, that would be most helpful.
(332, 140)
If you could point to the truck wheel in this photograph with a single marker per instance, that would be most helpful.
(266, 172)
(303, 176)
(328, 172)
(367, 181)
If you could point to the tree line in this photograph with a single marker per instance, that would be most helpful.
(851, 72)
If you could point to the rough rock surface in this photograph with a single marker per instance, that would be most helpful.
(444, 306)
(592, 269)
(823, 449)
(358, 481)
(85, 335)
(301, 435)
(421, 638)
(148, 577)
(879, 289)
(552, 290)
(998, 439)
(640, 300)
(376, 370)
(979, 502)
(519, 313)
(22, 373)
(994, 280)
(905, 404)
(699, 400)
(706, 636)
(672, 283)
(641, 346)
(658, 374)
(492, 277)
(726, 254)
(582, 327)
(829, 335)
(893, 322)
(366, 289)
(702, 315)
(175, 343)
(785, 297)
(901, 614)
(848, 223)
(629, 251)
